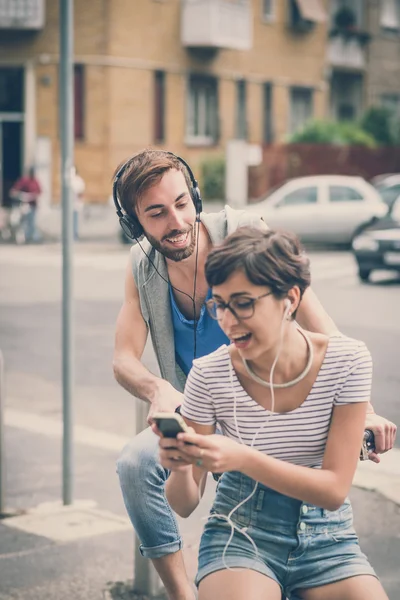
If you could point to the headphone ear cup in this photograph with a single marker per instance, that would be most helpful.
(131, 227)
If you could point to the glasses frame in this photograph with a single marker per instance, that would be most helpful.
(227, 305)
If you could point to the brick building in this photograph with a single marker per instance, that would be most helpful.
(184, 75)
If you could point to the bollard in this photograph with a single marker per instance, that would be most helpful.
(2, 443)
(146, 580)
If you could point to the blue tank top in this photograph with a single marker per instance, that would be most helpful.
(209, 335)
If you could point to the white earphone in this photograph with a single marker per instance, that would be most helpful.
(288, 306)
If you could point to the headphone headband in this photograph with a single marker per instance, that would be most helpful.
(130, 224)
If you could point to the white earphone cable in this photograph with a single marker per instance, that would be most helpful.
(228, 517)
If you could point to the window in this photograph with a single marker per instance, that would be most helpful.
(79, 102)
(356, 6)
(301, 107)
(304, 14)
(159, 107)
(11, 89)
(241, 117)
(392, 103)
(342, 193)
(267, 111)
(202, 119)
(306, 195)
(268, 10)
(390, 14)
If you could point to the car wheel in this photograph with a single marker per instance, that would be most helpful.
(364, 274)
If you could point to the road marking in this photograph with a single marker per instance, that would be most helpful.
(383, 478)
(87, 436)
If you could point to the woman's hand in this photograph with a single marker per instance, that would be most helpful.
(215, 453)
(170, 456)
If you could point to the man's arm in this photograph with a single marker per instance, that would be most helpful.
(130, 340)
(312, 316)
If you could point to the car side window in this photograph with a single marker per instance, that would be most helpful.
(306, 195)
(343, 193)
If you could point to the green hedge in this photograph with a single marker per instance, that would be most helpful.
(213, 178)
(343, 133)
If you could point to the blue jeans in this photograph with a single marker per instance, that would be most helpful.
(31, 232)
(142, 481)
(299, 546)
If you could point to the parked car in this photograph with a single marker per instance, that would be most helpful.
(322, 208)
(378, 246)
(388, 187)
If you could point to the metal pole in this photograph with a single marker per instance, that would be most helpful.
(145, 580)
(2, 443)
(67, 148)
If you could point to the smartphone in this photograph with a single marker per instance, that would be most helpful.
(170, 424)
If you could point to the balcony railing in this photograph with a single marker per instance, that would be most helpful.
(347, 52)
(22, 14)
(217, 24)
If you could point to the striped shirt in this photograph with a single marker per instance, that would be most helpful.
(213, 393)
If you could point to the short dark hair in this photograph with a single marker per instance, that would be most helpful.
(272, 258)
(142, 172)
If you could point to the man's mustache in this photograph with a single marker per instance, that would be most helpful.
(175, 233)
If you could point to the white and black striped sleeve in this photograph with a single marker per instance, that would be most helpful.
(198, 405)
(357, 385)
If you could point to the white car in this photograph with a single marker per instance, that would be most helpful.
(388, 187)
(322, 208)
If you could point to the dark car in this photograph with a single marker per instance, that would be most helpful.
(377, 247)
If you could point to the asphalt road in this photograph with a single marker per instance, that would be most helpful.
(30, 337)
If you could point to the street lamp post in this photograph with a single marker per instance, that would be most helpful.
(67, 149)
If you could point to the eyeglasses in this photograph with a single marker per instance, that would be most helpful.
(241, 307)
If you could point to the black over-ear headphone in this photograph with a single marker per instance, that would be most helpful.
(129, 223)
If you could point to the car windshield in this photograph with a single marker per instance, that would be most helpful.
(274, 189)
(388, 193)
(395, 214)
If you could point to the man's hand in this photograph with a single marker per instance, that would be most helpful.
(384, 432)
(167, 399)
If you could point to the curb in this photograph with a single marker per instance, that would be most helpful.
(383, 478)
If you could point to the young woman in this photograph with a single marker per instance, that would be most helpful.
(291, 406)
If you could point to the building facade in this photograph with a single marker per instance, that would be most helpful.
(181, 75)
(383, 75)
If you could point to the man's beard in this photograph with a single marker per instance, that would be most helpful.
(179, 253)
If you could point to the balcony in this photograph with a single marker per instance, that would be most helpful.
(346, 52)
(22, 14)
(215, 24)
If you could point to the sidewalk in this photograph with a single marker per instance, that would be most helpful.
(85, 552)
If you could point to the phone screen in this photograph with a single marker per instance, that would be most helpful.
(168, 427)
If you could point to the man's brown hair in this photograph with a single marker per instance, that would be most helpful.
(142, 172)
(271, 258)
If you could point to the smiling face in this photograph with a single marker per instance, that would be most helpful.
(259, 333)
(167, 215)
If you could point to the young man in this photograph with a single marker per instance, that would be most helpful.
(165, 291)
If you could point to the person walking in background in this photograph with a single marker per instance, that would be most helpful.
(78, 189)
(27, 190)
